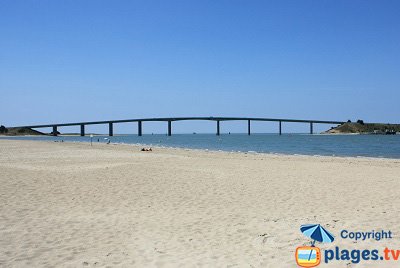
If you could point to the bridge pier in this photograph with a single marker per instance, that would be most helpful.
(139, 128)
(248, 127)
(280, 127)
(110, 129)
(82, 130)
(54, 133)
(311, 128)
(218, 132)
(169, 128)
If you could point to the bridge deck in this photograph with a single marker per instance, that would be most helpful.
(170, 119)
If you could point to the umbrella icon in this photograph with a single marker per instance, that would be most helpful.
(317, 233)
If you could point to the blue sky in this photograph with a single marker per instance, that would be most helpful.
(66, 61)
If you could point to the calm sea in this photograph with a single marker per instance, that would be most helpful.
(386, 146)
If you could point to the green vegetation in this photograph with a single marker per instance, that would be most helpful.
(3, 129)
(18, 131)
(365, 128)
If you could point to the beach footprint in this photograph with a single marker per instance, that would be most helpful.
(262, 240)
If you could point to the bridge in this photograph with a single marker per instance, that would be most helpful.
(169, 120)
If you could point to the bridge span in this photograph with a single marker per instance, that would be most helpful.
(169, 120)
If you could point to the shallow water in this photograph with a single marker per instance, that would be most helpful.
(387, 146)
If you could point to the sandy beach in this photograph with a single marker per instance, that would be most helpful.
(73, 205)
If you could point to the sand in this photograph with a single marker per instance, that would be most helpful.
(73, 205)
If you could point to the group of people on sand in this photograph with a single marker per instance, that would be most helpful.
(145, 149)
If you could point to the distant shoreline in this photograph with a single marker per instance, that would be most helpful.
(365, 129)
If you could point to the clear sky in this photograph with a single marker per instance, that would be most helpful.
(66, 61)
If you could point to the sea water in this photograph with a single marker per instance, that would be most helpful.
(384, 146)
